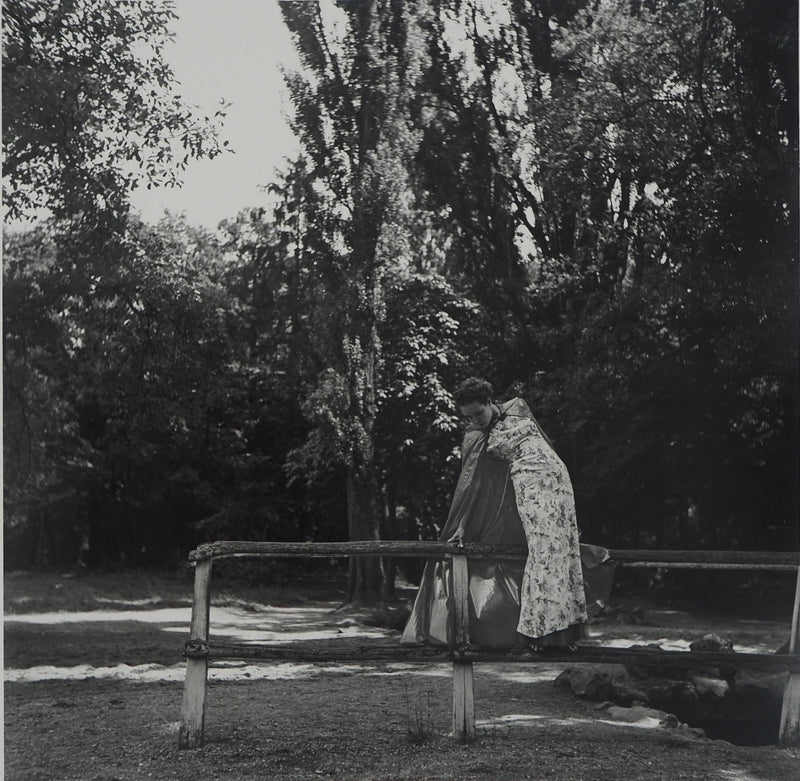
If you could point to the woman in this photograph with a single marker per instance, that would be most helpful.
(513, 489)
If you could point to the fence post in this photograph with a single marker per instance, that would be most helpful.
(789, 734)
(193, 707)
(463, 693)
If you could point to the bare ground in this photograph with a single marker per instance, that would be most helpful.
(118, 717)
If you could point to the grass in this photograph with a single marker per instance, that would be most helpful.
(39, 591)
(42, 591)
(369, 723)
(419, 716)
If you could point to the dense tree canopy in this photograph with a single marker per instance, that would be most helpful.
(592, 204)
(90, 107)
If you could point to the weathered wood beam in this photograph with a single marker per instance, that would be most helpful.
(788, 560)
(420, 549)
(789, 733)
(193, 706)
(306, 653)
(586, 654)
(463, 683)
(200, 652)
(696, 559)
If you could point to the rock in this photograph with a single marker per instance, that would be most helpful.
(666, 693)
(625, 691)
(713, 644)
(673, 722)
(713, 672)
(687, 693)
(757, 685)
(586, 683)
(654, 717)
(710, 688)
(638, 714)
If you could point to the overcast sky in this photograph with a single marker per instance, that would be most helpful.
(229, 50)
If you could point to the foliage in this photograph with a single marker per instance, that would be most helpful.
(425, 341)
(104, 378)
(90, 108)
(351, 105)
(594, 205)
(649, 294)
(134, 421)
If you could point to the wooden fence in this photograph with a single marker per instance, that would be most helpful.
(199, 650)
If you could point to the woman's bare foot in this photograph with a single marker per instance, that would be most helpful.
(537, 647)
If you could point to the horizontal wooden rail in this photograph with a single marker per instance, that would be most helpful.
(586, 654)
(691, 559)
(200, 652)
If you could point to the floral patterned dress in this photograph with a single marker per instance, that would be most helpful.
(552, 594)
(513, 490)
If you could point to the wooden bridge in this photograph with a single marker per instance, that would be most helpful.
(199, 650)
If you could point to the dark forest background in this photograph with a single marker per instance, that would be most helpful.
(593, 204)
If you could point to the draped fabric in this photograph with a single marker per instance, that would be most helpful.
(513, 490)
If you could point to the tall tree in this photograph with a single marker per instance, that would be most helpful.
(90, 107)
(353, 112)
(608, 143)
(106, 402)
(90, 110)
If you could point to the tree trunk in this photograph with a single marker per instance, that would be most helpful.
(390, 533)
(42, 542)
(364, 585)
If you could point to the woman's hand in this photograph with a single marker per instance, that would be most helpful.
(457, 537)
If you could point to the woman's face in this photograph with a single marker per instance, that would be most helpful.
(477, 413)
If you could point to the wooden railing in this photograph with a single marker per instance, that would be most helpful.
(199, 650)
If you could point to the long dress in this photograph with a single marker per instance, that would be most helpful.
(513, 489)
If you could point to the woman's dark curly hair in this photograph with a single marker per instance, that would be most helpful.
(473, 389)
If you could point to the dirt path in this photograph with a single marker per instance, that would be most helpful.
(97, 696)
